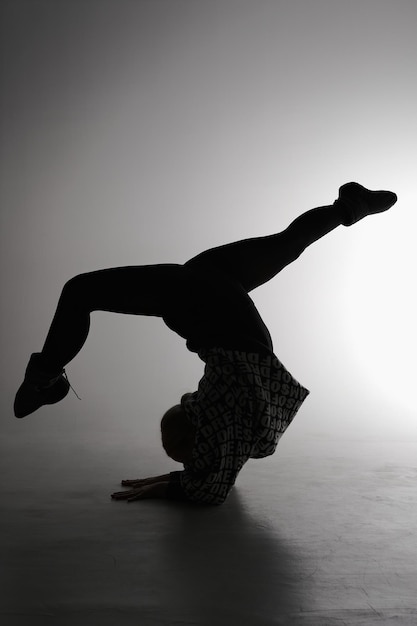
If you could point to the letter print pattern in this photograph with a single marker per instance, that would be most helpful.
(243, 405)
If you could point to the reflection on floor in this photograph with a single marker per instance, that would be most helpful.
(315, 535)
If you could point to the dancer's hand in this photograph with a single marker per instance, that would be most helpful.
(145, 491)
(141, 482)
(137, 482)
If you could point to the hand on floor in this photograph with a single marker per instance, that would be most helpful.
(146, 491)
(137, 482)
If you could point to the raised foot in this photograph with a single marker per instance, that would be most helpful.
(39, 388)
(358, 202)
(30, 398)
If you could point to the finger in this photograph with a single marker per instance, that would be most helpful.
(120, 494)
(136, 497)
(135, 494)
(128, 483)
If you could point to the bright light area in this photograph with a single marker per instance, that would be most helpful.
(382, 310)
(145, 132)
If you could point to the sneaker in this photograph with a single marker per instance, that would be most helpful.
(39, 388)
(358, 202)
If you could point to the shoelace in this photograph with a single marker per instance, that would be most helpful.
(65, 374)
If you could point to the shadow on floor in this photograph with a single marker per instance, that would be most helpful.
(72, 556)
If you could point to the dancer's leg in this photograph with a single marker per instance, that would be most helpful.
(141, 290)
(252, 262)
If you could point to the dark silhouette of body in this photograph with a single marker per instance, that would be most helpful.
(205, 301)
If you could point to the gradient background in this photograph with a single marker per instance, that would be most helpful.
(138, 132)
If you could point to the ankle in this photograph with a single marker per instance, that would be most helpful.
(46, 365)
(344, 210)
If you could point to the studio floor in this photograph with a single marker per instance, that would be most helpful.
(323, 533)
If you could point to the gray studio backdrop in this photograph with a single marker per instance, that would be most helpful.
(138, 132)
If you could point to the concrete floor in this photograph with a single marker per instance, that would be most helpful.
(323, 533)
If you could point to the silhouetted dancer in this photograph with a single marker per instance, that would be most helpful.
(246, 398)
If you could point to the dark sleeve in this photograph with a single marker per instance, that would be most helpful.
(175, 491)
(199, 490)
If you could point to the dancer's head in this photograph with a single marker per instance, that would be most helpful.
(177, 435)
